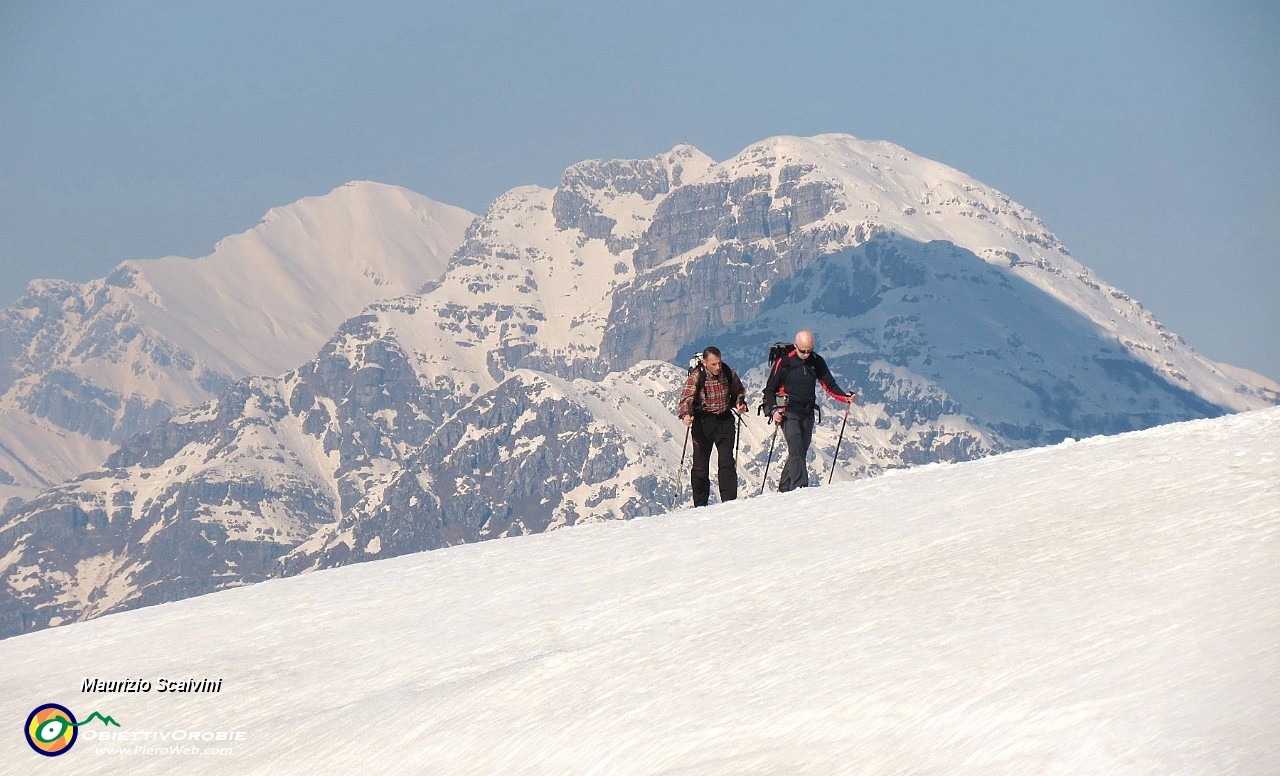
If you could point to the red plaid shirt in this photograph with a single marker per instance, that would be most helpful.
(718, 394)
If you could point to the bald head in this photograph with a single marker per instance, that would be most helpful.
(804, 340)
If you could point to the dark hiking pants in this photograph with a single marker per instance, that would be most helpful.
(718, 431)
(797, 429)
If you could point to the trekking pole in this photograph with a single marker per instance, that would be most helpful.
(680, 472)
(836, 457)
(737, 463)
(772, 442)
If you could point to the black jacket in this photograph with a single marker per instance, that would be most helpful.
(798, 379)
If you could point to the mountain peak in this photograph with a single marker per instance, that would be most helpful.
(963, 325)
(687, 163)
(112, 356)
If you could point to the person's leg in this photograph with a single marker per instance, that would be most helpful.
(700, 474)
(727, 465)
(793, 432)
(801, 478)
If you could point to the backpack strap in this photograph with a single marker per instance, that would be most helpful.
(699, 383)
(782, 367)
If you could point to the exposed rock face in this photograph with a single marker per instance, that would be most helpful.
(518, 392)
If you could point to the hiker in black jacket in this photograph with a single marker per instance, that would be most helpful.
(791, 396)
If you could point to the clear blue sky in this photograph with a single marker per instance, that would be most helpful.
(1145, 134)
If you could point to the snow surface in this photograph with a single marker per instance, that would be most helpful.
(1104, 606)
(264, 300)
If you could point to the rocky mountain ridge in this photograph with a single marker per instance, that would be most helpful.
(84, 366)
(530, 386)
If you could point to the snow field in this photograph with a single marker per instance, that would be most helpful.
(1103, 606)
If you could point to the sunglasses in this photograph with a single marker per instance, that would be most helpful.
(804, 352)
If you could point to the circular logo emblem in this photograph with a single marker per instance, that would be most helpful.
(51, 729)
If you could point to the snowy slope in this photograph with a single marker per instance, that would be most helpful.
(1104, 606)
(266, 299)
(84, 366)
(517, 392)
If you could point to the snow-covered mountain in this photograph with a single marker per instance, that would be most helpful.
(1104, 606)
(84, 366)
(524, 389)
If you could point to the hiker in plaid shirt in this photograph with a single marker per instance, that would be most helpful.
(711, 394)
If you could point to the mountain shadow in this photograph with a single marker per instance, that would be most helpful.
(923, 331)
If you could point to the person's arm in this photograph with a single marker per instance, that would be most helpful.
(771, 389)
(773, 384)
(828, 383)
(685, 408)
(738, 392)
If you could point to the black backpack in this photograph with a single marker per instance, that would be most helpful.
(777, 352)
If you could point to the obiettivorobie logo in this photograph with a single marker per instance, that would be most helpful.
(51, 729)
